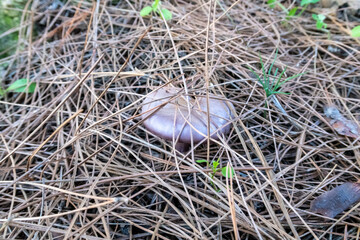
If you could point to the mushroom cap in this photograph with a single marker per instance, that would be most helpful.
(173, 119)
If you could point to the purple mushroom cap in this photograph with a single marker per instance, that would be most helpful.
(170, 119)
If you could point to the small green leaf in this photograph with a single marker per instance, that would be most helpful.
(166, 14)
(321, 17)
(319, 20)
(292, 12)
(292, 77)
(304, 2)
(315, 17)
(355, 32)
(231, 173)
(146, 11)
(271, 3)
(319, 25)
(21, 85)
(2, 92)
(201, 161)
(215, 164)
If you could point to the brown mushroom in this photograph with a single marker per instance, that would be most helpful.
(168, 117)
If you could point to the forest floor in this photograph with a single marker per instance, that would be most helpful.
(78, 163)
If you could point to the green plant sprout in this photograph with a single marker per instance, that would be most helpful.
(156, 8)
(21, 85)
(10, 18)
(272, 87)
(214, 167)
(273, 3)
(355, 32)
(292, 12)
(319, 18)
(305, 3)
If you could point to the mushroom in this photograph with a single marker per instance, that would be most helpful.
(169, 117)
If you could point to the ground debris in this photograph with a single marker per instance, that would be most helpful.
(337, 200)
(341, 124)
(352, 3)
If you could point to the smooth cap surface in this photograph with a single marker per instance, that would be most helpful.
(174, 119)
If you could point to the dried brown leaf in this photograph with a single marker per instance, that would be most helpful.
(341, 124)
(337, 200)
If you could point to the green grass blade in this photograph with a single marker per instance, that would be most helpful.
(291, 13)
(295, 76)
(289, 78)
(267, 80)
(283, 8)
(278, 83)
(272, 64)
(155, 5)
(276, 71)
(262, 65)
(277, 92)
(201, 161)
(273, 82)
(257, 76)
(306, 2)
(271, 3)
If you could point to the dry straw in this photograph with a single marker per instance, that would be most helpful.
(87, 56)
